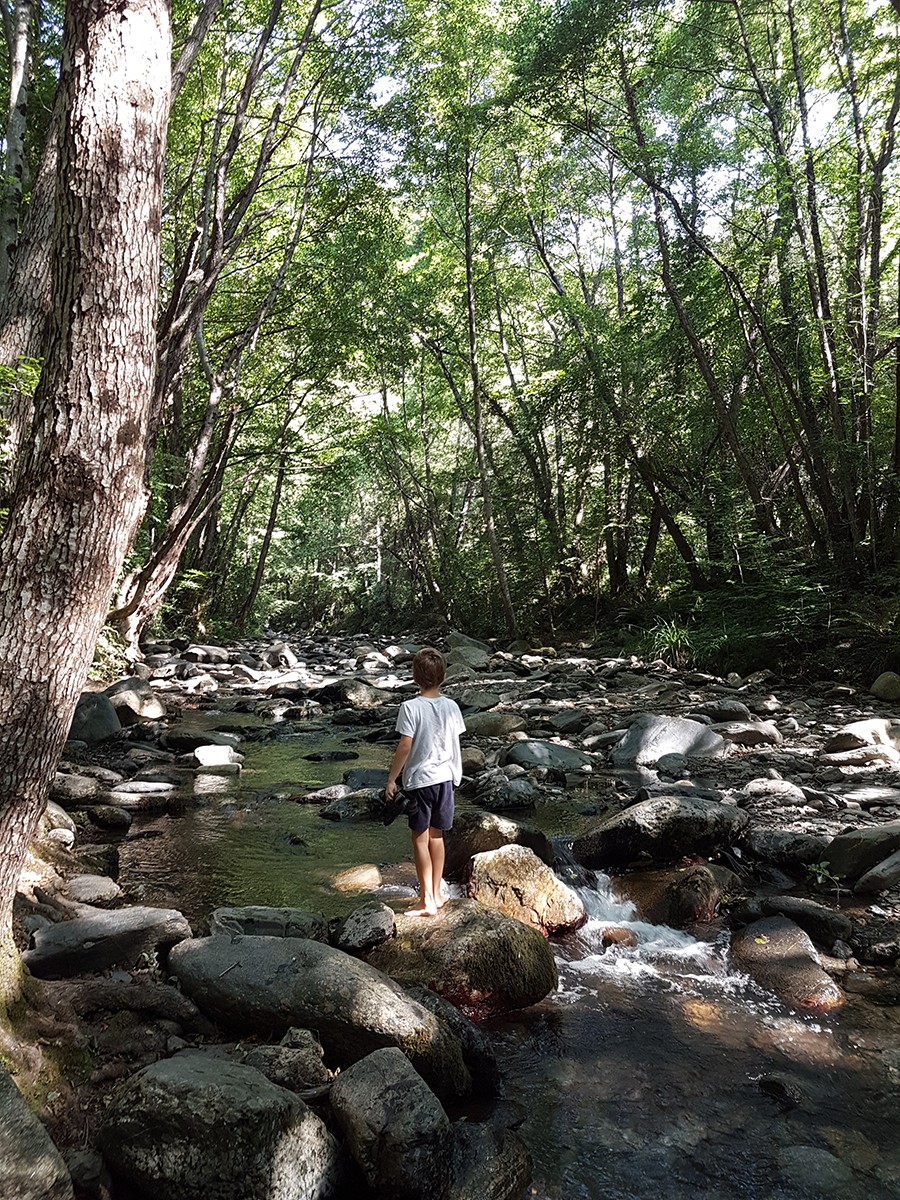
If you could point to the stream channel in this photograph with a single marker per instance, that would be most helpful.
(652, 1072)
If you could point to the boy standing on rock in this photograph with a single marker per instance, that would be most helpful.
(429, 758)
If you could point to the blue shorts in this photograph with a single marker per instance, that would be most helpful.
(435, 807)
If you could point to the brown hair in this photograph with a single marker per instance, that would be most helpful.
(428, 667)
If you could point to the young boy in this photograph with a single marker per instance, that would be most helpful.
(429, 758)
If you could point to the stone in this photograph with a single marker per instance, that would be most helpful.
(472, 759)
(362, 695)
(114, 938)
(824, 925)
(514, 881)
(664, 828)
(31, 1167)
(265, 985)
(781, 791)
(650, 737)
(206, 654)
(110, 816)
(784, 848)
(363, 878)
(530, 754)
(258, 920)
(197, 1125)
(293, 1067)
(882, 876)
(217, 756)
(721, 709)
(494, 724)
(499, 793)
(95, 719)
(886, 687)
(480, 960)
(477, 832)
(135, 700)
(817, 1174)
(488, 1164)
(366, 927)
(73, 791)
(92, 889)
(750, 733)
(469, 657)
(876, 731)
(780, 957)
(280, 656)
(851, 855)
(456, 639)
(394, 1126)
(184, 739)
(476, 1046)
(56, 817)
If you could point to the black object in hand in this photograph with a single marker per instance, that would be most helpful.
(400, 805)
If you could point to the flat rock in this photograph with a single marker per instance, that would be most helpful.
(92, 889)
(781, 958)
(530, 754)
(480, 960)
(664, 827)
(494, 724)
(363, 878)
(477, 832)
(265, 985)
(750, 733)
(785, 848)
(514, 881)
(197, 1125)
(650, 737)
(114, 938)
(258, 920)
(183, 739)
(73, 791)
(31, 1167)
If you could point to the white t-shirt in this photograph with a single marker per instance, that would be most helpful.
(434, 724)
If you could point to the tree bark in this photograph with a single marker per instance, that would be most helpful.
(14, 159)
(80, 489)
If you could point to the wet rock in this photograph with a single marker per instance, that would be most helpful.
(364, 878)
(337, 791)
(478, 832)
(477, 1048)
(258, 920)
(497, 792)
(886, 686)
(530, 754)
(365, 928)
(31, 1167)
(478, 959)
(882, 876)
(92, 889)
(95, 719)
(514, 881)
(823, 924)
(494, 724)
(116, 938)
(614, 935)
(187, 1121)
(110, 816)
(264, 985)
(781, 958)
(817, 1174)
(650, 737)
(394, 1126)
(850, 855)
(784, 848)
(664, 828)
(134, 700)
(217, 756)
(678, 896)
(358, 778)
(488, 1164)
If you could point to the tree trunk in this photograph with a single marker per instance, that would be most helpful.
(14, 161)
(247, 607)
(79, 492)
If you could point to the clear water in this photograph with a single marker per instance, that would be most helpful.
(640, 1077)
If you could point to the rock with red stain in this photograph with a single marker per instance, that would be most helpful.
(780, 957)
(515, 882)
(614, 935)
(480, 960)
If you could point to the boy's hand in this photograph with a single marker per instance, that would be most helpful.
(390, 789)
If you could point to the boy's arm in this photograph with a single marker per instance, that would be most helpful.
(401, 754)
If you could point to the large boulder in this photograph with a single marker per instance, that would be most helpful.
(264, 985)
(886, 686)
(678, 896)
(784, 847)
(477, 832)
(488, 1164)
(781, 958)
(530, 754)
(665, 828)
(258, 920)
(195, 1125)
(515, 882)
(394, 1126)
(651, 737)
(115, 938)
(852, 854)
(31, 1167)
(135, 700)
(477, 958)
(477, 1048)
(95, 719)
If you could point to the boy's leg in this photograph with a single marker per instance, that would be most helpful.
(422, 859)
(436, 856)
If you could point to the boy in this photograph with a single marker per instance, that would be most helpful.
(428, 756)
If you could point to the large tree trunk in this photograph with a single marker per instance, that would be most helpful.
(80, 492)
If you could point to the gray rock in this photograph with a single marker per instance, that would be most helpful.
(477, 1048)
(824, 925)
(90, 1177)
(664, 827)
(394, 1126)
(781, 958)
(366, 927)
(817, 1174)
(548, 754)
(488, 1164)
(92, 889)
(109, 816)
(722, 709)
(258, 920)
(875, 731)
(31, 1167)
(135, 700)
(472, 759)
(514, 881)
(195, 1125)
(469, 657)
(784, 848)
(882, 876)
(56, 817)
(781, 791)
(499, 793)
(264, 984)
(280, 656)
(885, 687)
(217, 756)
(73, 791)
(494, 724)
(336, 791)
(117, 938)
(851, 855)
(750, 733)
(455, 640)
(185, 738)
(650, 737)
(293, 1067)
(95, 719)
(206, 654)
(477, 832)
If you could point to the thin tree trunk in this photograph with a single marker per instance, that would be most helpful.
(14, 159)
(80, 491)
(250, 599)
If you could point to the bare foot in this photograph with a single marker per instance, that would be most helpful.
(442, 901)
(424, 909)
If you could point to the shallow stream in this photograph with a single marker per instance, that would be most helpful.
(652, 1072)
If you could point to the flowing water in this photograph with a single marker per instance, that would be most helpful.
(652, 1072)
